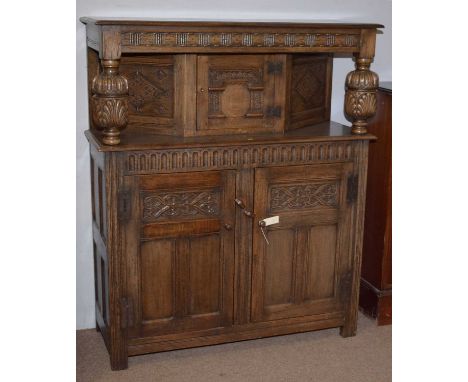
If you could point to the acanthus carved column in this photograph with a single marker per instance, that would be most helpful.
(361, 95)
(109, 102)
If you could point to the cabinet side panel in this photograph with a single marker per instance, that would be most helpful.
(151, 86)
(309, 90)
(94, 68)
(99, 222)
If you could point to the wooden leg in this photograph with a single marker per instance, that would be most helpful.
(109, 102)
(97, 327)
(118, 349)
(361, 95)
(118, 362)
(349, 329)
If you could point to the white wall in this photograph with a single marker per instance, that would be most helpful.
(374, 11)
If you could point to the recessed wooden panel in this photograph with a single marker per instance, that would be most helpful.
(97, 277)
(240, 94)
(309, 90)
(181, 269)
(320, 263)
(298, 272)
(205, 274)
(279, 261)
(161, 92)
(157, 279)
(150, 87)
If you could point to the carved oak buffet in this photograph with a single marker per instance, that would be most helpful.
(199, 131)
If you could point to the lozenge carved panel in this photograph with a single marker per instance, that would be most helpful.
(308, 83)
(150, 85)
(310, 93)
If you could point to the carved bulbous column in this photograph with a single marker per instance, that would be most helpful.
(361, 95)
(109, 102)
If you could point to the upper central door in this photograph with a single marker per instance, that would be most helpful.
(240, 94)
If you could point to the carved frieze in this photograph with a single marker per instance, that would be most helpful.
(239, 39)
(303, 196)
(160, 161)
(181, 204)
(219, 77)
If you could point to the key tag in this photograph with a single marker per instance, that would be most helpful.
(265, 223)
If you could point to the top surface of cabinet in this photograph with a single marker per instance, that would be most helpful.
(157, 22)
(141, 139)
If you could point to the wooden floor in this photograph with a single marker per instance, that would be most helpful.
(320, 356)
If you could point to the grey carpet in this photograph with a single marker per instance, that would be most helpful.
(321, 356)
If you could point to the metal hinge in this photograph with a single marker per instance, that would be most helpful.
(273, 111)
(352, 189)
(126, 313)
(274, 67)
(124, 205)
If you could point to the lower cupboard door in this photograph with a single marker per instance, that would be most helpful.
(300, 271)
(180, 252)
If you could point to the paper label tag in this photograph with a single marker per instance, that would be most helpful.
(271, 220)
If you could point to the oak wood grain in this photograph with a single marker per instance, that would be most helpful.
(228, 124)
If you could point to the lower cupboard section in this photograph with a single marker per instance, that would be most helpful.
(234, 333)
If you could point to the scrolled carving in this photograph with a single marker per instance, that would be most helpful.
(167, 205)
(219, 77)
(303, 196)
(109, 103)
(361, 95)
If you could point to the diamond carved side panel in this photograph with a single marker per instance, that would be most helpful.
(308, 85)
(151, 86)
(303, 196)
(180, 205)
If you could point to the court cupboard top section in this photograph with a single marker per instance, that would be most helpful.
(198, 78)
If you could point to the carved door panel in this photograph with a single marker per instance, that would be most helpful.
(240, 94)
(179, 243)
(300, 271)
